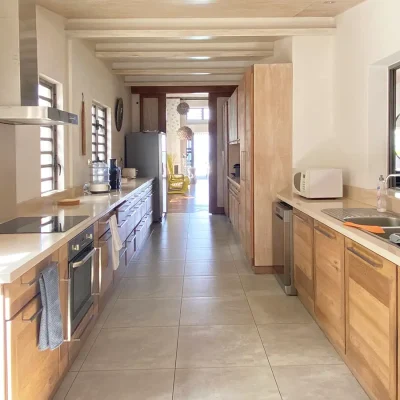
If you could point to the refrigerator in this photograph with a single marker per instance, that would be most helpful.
(147, 152)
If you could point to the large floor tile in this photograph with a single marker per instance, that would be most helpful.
(255, 383)
(243, 267)
(318, 382)
(278, 309)
(210, 268)
(260, 285)
(216, 311)
(297, 344)
(212, 286)
(65, 386)
(133, 348)
(223, 254)
(144, 312)
(151, 287)
(164, 268)
(220, 346)
(123, 385)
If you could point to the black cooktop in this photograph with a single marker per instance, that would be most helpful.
(46, 224)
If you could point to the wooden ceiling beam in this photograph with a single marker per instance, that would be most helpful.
(178, 71)
(185, 33)
(182, 54)
(183, 88)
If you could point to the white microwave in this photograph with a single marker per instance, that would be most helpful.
(323, 183)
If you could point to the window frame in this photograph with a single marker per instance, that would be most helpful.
(55, 165)
(203, 120)
(95, 131)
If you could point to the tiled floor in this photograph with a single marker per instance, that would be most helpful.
(196, 200)
(190, 321)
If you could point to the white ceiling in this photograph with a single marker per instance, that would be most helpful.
(191, 42)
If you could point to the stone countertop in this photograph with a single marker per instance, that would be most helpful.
(314, 208)
(20, 252)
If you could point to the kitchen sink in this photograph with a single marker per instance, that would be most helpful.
(375, 221)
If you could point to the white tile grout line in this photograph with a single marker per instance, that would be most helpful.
(262, 344)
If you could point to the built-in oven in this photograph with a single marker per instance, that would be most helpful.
(81, 264)
(282, 246)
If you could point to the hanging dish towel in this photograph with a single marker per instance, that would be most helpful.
(116, 242)
(51, 326)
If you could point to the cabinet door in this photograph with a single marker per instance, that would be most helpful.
(329, 284)
(371, 320)
(153, 110)
(33, 374)
(233, 117)
(303, 238)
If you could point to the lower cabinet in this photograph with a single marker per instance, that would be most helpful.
(33, 373)
(234, 206)
(329, 289)
(371, 320)
(303, 258)
(106, 268)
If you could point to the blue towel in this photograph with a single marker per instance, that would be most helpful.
(51, 326)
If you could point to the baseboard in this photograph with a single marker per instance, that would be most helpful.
(263, 270)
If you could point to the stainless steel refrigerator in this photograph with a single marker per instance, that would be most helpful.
(147, 152)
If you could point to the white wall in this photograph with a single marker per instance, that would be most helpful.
(367, 43)
(73, 66)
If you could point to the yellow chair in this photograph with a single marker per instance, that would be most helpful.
(177, 183)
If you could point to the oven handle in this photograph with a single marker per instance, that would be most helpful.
(87, 257)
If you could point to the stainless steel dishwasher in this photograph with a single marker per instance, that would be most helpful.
(282, 233)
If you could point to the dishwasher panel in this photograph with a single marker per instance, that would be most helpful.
(282, 230)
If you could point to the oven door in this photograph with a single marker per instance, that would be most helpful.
(81, 280)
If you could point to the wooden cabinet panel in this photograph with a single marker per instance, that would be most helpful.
(329, 284)
(107, 272)
(33, 374)
(371, 320)
(64, 288)
(233, 117)
(303, 233)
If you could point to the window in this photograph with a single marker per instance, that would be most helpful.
(198, 114)
(99, 133)
(394, 124)
(50, 168)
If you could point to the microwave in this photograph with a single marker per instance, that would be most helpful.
(322, 183)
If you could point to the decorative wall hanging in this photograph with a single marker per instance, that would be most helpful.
(185, 133)
(83, 127)
(183, 108)
(119, 113)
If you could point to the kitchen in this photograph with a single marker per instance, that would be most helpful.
(322, 71)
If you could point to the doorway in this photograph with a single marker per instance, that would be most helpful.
(188, 156)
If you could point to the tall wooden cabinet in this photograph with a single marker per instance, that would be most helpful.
(265, 133)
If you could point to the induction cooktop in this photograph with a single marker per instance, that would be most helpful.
(46, 224)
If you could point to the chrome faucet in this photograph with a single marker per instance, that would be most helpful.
(390, 176)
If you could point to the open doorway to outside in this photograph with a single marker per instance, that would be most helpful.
(188, 153)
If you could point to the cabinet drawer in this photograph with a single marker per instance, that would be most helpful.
(103, 224)
(106, 269)
(371, 320)
(120, 272)
(23, 289)
(33, 374)
(329, 284)
(130, 247)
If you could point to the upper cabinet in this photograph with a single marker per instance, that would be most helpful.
(233, 117)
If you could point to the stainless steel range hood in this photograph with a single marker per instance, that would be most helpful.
(29, 112)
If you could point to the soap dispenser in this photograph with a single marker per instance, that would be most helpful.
(381, 194)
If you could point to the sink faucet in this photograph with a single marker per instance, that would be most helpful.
(390, 176)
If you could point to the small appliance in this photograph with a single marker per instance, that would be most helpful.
(99, 178)
(236, 167)
(130, 173)
(115, 175)
(319, 183)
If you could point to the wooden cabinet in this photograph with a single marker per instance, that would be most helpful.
(233, 117)
(264, 130)
(329, 289)
(371, 320)
(234, 205)
(33, 374)
(153, 111)
(303, 248)
(106, 268)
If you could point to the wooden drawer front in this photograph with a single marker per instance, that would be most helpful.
(130, 247)
(105, 245)
(371, 320)
(329, 284)
(120, 272)
(123, 229)
(303, 260)
(122, 212)
(33, 374)
(103, 224)
(22, 290)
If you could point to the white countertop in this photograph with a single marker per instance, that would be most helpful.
(20, 252)
(313, 209)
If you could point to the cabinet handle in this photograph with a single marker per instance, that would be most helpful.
(363, 258)
(322, 232)
(36, 278)
(301, 218)
(98, 249)
(34, 316)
